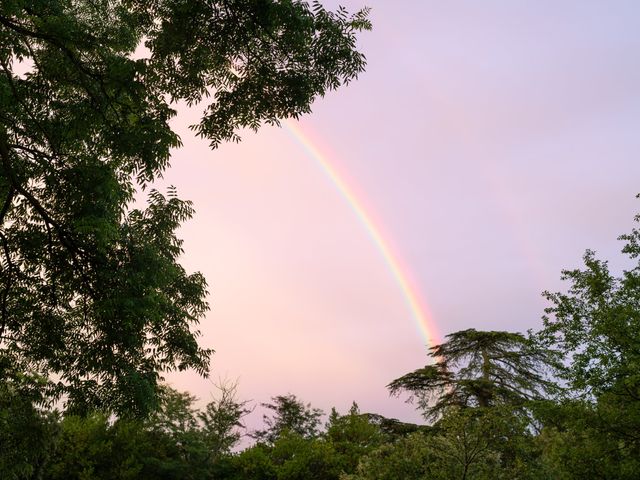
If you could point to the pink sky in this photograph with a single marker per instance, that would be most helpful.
(494, 141)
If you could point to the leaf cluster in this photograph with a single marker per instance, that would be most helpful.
(91, 290)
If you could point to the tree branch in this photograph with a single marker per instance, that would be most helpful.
(65, 239)
(7, 204)
(8, 283)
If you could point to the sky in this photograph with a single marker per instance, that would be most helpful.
(488, 144)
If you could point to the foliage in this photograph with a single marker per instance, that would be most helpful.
(289, 414)
(408, 458)
(480, 369)
(572, 440)
(254, 463)
(27, 434)
(352, 436)
(177, 442)
(391, 427)
(596, 324)
(91, 291)
(84, 449)
(321, 455)
(175, 414)
(221, 421)
(300, 458)
(483, 443)
(577, 442)
(197, 439)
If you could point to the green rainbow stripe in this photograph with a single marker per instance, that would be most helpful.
(418, 309)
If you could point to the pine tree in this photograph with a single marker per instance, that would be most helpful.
(480, 369)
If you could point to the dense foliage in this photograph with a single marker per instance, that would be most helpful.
(94, 304)
(289, 415)
(91, 290)
(480, 369)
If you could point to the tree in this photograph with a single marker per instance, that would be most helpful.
(304, 458)
(596, 325)
(91, 290)
(254, 463)
(175, 429)
(480, 369)
(580, 439)
(466, 444)
(352, 436)
(221, 421)
(190, 442)
(175, 415)
(409, 458)
(83, 447)
(289, 415)
(26, 433)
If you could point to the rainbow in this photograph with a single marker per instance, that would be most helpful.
(400, 272)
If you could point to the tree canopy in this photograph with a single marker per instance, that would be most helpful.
(288, 414)
(480, 369)
(92, 293)
(596, 325)
(95, 305)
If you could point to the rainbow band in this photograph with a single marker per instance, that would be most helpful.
(401, 275)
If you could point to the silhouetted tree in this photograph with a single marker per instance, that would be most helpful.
(91, 290)
(480, 369)
(221, 421)
(288, 414)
